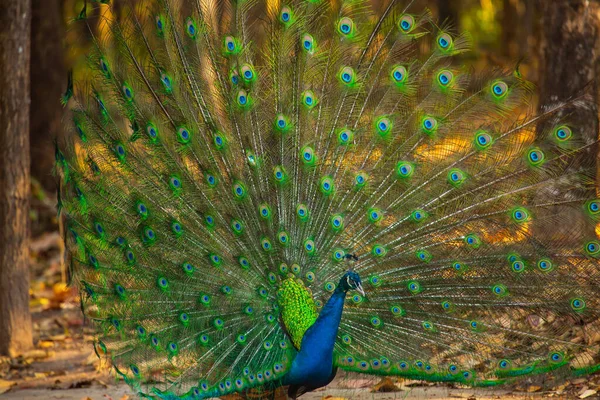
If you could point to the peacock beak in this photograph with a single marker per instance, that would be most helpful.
(360, 290)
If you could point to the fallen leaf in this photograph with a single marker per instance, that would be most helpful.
(533, 388)
(385, 385)
(6, 385)
(587, 393)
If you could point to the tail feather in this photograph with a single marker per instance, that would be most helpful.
(219, 148)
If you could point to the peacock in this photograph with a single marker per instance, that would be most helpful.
(259, 193)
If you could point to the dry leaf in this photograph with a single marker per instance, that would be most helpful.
(385, 385)
(587, 393)
(6, 385)
(533, 388)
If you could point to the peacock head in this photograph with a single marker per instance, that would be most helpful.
(351, 280)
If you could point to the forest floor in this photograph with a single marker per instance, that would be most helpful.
(64, 366)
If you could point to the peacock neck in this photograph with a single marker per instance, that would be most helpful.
(313, 365)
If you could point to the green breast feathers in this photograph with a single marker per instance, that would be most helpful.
(298, 310)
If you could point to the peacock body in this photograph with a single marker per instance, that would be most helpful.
(239, 170)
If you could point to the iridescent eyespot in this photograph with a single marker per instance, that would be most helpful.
(243, 99)
(310, 276)
(499, 290)
(175, 182)
(308, 43)
(283, 238)
(191, 28)
(159, 25)
(308, 99)
(518, 266)
(592, 248)
(329, 286)
(162, 283)
(406, 23)
(247, 73)
(337, 222)
(375, 215)
(473, 240)
(360, 180)
(346, 339)
(378, 250)
(347, 76)
(234, 77)
(428, 326)
(302, 211)
(282, 123)
(183, 135)
(520, 215)
(346, 27)
(419, 215)
(149, 235)
(188, 268)
(376, 322)
(264, 211)
(397, 311)
(244, 263)
(578, 304)
(120, 151)
(218, 323)
(152, 131)
(239, 190)
(504, 364)
(127, 92)
(499, 89)
(536, 157)
(456, 177)
(307, 154)
(231, 45)
(383, 126)
(404, 169)
(424, 256)
(326, 185)
(453, 369)
(556, 357)
(483, 140)
(286, 16)
(414, 287)
(444, 42)
(446, 305)
(445, 78)
(309, 246)
(545, 265)
(399, 75)
(104, 67)
(279, 174)
(266, 245)
(345, 137)
(429, 125)
(563, 133)
(375, 280)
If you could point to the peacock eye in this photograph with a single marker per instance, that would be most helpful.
(445, 78)
(346, 26)
(407, 23)
(444, 42)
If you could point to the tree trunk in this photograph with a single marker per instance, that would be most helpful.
(517, 22)
(48, 81)
(568, 65)
(15, 320)
(569, 59)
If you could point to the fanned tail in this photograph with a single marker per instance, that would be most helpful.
(226, 157)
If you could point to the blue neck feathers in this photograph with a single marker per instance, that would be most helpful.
(313, 365)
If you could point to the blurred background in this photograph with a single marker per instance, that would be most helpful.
(553, 43)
